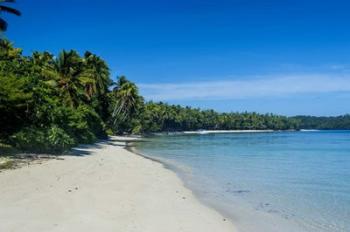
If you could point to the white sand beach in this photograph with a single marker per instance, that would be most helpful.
(226, 131)
(105, 188)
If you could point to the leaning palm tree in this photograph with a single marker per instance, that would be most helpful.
(3, 8)
(127, 100)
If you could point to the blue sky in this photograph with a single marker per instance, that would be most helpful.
(286, 57)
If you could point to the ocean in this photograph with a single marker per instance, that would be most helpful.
(265, 182)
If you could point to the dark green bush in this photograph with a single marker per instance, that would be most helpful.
(86, 125)
(83, 124)
(48, 140)
(59, 140)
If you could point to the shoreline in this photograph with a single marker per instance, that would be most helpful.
(241, 211)
(203, 132)
(102, 187)
(227, 131)
(175, 169)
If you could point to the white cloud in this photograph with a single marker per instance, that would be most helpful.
(263, 86)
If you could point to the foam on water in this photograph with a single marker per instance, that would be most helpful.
(269, 182)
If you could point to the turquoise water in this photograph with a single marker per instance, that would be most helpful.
(268, 182)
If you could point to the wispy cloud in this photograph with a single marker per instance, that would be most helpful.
(263, 86)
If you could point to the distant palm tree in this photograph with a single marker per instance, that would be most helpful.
(3, 23)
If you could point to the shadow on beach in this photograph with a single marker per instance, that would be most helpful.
(14, 158)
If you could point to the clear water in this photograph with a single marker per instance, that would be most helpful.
(268, 182)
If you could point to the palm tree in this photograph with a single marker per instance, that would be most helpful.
(99, 72)
(7, 51)
(127, 100)
(98, 87)
(78, 79)
(70, 77)
(3, 23)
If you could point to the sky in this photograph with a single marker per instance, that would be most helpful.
(288, 57)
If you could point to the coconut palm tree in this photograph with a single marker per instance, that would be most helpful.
(127, 100)
(3, 8)
(99, 72)
(98, 83)
(70, 77)
(8, 51)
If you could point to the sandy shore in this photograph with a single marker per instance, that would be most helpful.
(102, 188)
(226, 131)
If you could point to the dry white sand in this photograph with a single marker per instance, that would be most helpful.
(107, 188)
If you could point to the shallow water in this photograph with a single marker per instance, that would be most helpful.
(268, 182)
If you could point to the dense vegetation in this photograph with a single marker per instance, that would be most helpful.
(50, 103)
(324, 123)
(158, 117)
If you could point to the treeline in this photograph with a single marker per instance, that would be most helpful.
(157, 117)
(50, 103)
(324, 123)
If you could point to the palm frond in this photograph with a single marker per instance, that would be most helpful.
(3, 25)
(10, 10)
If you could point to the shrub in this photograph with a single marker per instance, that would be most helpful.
(59, 140)
(83, 124)
(86, 125)
(32, 139)
(50, 140)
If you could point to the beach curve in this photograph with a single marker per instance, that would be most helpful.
(102, 187)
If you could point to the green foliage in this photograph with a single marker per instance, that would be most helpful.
(49, 104)
(86, 125)
(324, 123)
(8, 52)
(52, 140)
(58, 139)
(127, 105)
(157, 117)
(15, 100)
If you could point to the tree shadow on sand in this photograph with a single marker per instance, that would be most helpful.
(88, 149)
